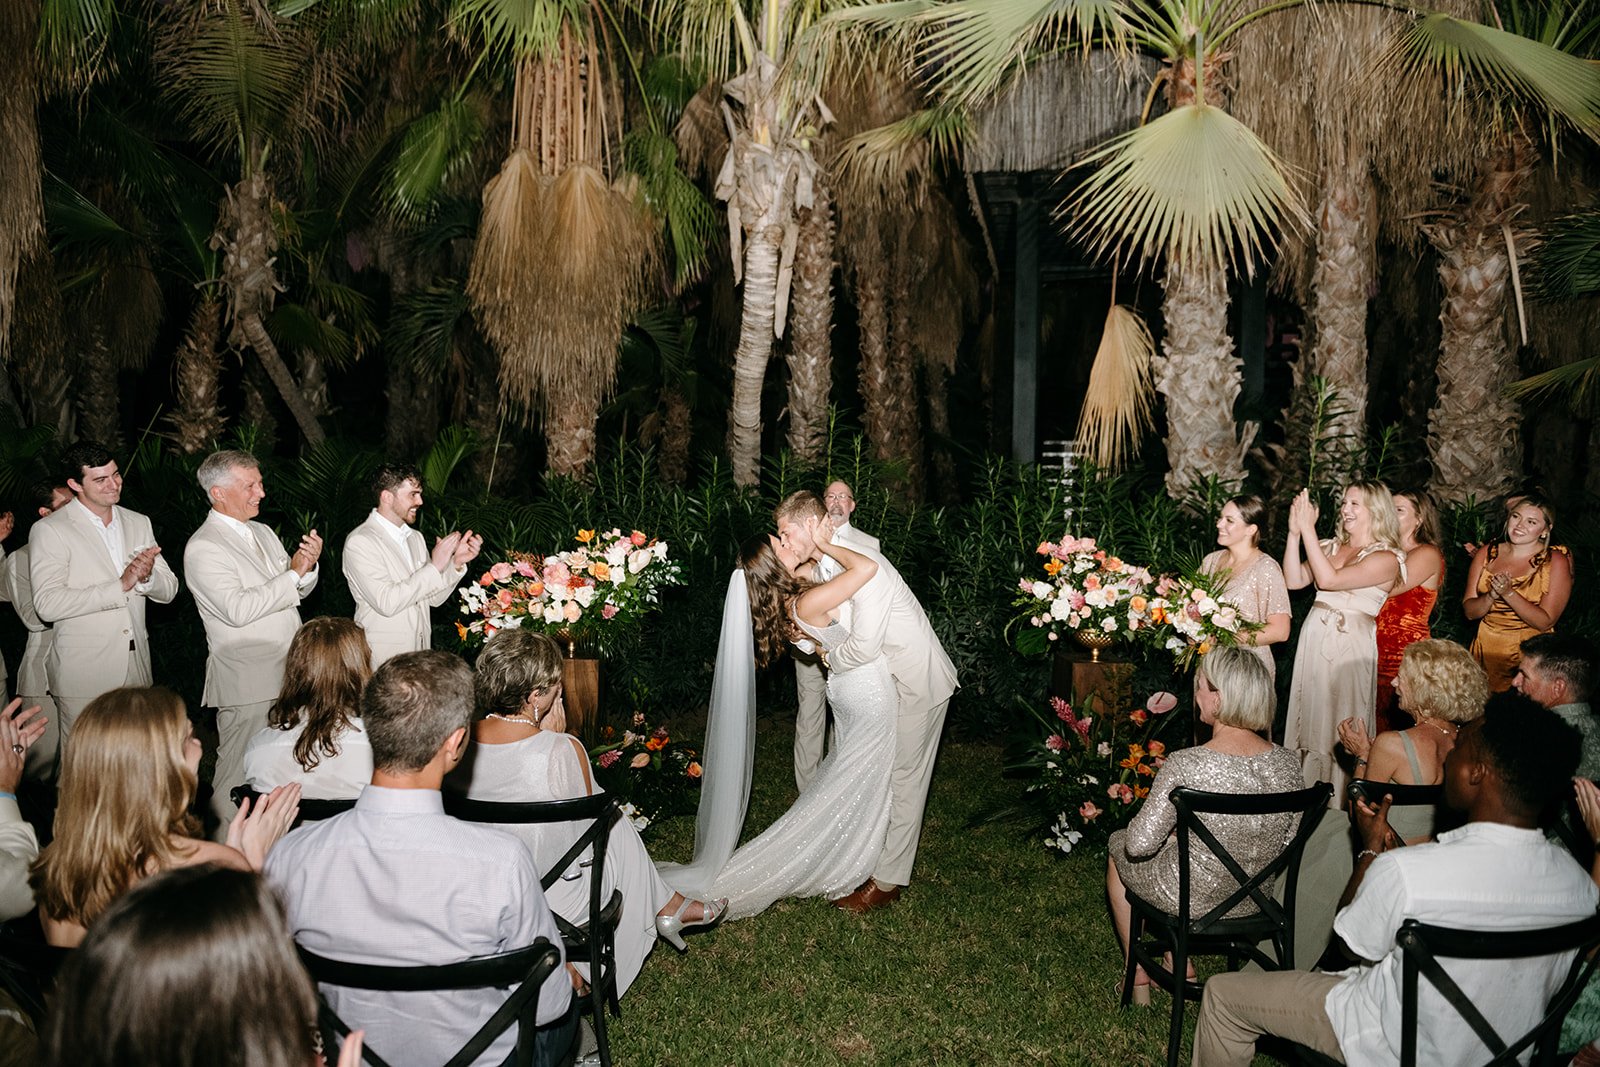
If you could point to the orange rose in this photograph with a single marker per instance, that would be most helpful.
(693, 770)
(601, 572)
(656, 744)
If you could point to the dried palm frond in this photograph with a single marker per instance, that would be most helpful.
(1118, 404)
(1195, 186)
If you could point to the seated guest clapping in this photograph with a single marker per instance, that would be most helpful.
(127, 782)
(396, 881)
(314, 735)
(1498, 872)
(193, 966)
(1234, 693)
(522, 755)
(1441, 686)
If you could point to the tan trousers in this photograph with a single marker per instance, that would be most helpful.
(810, 719)
(236, 725)
(44, 754)
(916, 746)
(69, 708)
(1240, 1007)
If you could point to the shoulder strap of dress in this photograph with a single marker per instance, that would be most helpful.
(1411, 758)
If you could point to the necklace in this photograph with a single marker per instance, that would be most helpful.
(1436, 726)
(518, 719)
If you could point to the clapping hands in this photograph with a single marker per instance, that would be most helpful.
(1303, 515)
(455, 550)
(140, 567)
(305, 557)
(8, 522)
(255, 832)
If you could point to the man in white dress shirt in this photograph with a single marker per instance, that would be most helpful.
(93, 565)
(393, 577)
(33, 683)
(810, 682)
(248, 590)
(1498, 872)
(396, 881)
(885, 620)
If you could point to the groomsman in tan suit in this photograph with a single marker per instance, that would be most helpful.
(886, 620)
(93, 565)
(811, 716)
(393, 577)
(33, 681)
(248, 590)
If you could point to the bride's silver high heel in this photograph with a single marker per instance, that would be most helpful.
(671, 928)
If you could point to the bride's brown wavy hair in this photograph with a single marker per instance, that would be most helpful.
(771, 589)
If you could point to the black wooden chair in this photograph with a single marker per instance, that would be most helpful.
(595, 940)
(522, 971)
(1155, 931)
(310, 810)
(1403, 796)
(28, 965)
(1421, 948)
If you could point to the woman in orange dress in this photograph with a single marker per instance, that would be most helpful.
(1404, 618)
(1516, 589)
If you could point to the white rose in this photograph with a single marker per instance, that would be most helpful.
(552, 613)
(1060, 608)
(584, 596)
(617, 556)
(1095, 598)
(1043, 590)
(1102, 750)
(1110, 625)
(660, 549)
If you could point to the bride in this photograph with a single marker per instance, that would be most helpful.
(827, 843)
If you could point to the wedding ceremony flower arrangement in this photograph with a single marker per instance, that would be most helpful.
(608, 582)
(1189, 617)
(1092, 766)
(654, 776)
(1085, 588)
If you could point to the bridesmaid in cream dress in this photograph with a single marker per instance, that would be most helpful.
(1336, 660)
(1254, 581)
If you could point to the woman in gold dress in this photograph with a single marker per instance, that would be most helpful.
(1516, 588)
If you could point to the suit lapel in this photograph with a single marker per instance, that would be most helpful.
(407, 551)
(91, 544)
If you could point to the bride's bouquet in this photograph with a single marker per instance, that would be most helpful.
(581, 596)
(1084, 589)
(1189, 617)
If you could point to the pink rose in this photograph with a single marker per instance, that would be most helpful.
(1161, 702)
(640, 761)
(1156, 748)
(609, 611)
(572, 612)
(526, 569)
(556, 574)
(609, 759)
(504, 599)
(1088, 811)
(1045, 548)
(1055, 742)
(1139, 717)
(637, 538)
(501, 571)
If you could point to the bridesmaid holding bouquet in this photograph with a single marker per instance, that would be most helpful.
(1404, 618)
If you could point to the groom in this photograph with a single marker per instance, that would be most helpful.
(886, 620)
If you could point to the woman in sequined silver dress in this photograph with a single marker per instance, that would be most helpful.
(1234, 692)
(828, 843)
(1254, 580)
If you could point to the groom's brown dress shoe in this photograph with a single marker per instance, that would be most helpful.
(869, 896)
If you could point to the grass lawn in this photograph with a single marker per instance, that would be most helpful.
(1000, 952)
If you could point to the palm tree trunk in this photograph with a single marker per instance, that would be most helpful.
(20, 167)
(257, 410)
(1200, 378)
(904, 395)
(99, 402)
(1474, 431)
(810, 354)
(197, 421)
(677, 430)
(313, 376)
(569, 422)
(762, 253)
(39, 356)
(1341, 282)
(255, 335)
(877, 377)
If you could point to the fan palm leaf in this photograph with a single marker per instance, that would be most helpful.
(1195, 185)
(435, 148)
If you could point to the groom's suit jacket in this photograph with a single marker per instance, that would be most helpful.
(99, 626)
(394, 585)
(889, 620)
(249, 601)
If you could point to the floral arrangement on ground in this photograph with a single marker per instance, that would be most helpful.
(583, 596)
(1089, 766)
(650, 774)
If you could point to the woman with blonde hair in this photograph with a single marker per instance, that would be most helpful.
(314, 734)
(1336, 660)
(521, 754)
(1441, 686)
(1517, 588)
(1404, 617)
(128, 778)
(1234, 694)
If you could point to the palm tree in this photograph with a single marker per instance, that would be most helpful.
(20, 210)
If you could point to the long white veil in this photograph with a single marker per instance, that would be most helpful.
(729, 750)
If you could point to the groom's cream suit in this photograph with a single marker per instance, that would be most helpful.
(100, 640)
(249, 601)
(394, 584)
(33, 680)
(887, 620)
(811, 684)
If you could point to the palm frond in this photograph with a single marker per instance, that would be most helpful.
(1567, 264)
(1195, 185)
(80, 225)
(1117, 406)
(454, 444)
(886, 158)
(676, 201)
(709, 33)
(295, 326)
(1576, 383)
(516, 28)
(436, 147)
(73, 35)
(1502, 62)
(422, 329)
(231, 81)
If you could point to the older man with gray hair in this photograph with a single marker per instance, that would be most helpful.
(248, 590)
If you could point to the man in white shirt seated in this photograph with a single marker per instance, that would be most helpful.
(397, 881)
(1498, 872)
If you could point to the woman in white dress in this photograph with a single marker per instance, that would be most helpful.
(521, 756)
(828, 843)
(314, 735)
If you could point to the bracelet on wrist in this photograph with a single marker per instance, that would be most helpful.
(1366, 852)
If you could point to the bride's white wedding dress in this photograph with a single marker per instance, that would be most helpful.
(828, 843)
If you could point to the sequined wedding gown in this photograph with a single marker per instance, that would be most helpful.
(828, 843)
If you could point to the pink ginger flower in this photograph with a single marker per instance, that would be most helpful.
(1063, 710)
(609, 759)
(1055, 742)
